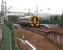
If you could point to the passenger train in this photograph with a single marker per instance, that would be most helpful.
(29, 21)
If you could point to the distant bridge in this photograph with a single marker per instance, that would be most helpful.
(17, 14)
(14, 14)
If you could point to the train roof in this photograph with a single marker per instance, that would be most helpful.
(25, 17)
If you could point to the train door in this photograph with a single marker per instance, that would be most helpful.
(34, 21)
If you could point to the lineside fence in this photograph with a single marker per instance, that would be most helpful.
(8, 40)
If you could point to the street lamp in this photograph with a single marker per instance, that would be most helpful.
(40, 10)
(29, 12)
(24, 11)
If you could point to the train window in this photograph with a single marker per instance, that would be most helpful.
(34, 19)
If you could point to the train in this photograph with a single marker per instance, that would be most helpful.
(34, 21)
(29, 21)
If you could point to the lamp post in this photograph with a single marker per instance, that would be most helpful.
(24, 11)
(29, 13)
(37, 10)
(50, 19)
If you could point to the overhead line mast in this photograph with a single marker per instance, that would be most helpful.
(37, 10)
(3, 11)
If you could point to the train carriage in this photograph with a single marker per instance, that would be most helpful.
(29, 21)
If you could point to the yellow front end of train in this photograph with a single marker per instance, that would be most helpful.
(34, 21)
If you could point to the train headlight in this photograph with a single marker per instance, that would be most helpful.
(36, 24)
(31, 24)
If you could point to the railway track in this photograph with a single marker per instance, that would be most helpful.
(42, 31)
(36, 30)
(33, 35)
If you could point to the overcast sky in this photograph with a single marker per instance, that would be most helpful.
(55, 6)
